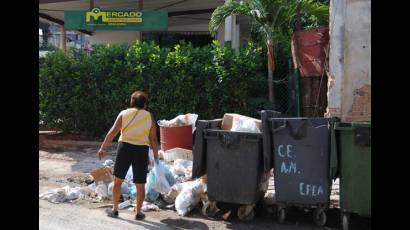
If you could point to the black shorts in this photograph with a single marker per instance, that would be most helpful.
(135, 155)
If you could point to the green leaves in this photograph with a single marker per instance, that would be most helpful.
(221, 12)
(84, 93)
(273, 16)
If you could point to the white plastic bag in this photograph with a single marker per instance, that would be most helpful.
(108, 163)
(129, 176)
(185, 201)
(173, 193)
(92, 186)
(242, 124)
(189, 197)
(181, 120)
(55, 196)
(161, 183)
(146, 207)
(182, 167)
(64, 194)
(124, 188)
(192, 120)
(102, 190)
(73, 193)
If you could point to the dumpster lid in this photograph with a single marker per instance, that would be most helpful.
(352, 125)
(248, 134)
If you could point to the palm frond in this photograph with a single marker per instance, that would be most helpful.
(319, 10)
(270, 15)
(221, 12)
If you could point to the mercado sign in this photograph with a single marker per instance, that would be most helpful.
(97, 19)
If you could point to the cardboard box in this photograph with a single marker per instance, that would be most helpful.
(228, 120)
(102, 174)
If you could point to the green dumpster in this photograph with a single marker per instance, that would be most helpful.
(351, 141)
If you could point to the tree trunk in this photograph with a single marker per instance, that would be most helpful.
(271, 69)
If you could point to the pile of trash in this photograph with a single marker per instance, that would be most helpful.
(67, 194)
(181, 120)
(169, 185)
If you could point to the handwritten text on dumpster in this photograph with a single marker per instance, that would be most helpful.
(286, 152)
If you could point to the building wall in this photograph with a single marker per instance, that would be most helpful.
(349, 86)
(336, 55)
(114, 37)
(196, 27)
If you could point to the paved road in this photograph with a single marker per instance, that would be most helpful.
(56, 167)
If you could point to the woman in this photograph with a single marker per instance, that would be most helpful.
(138, 133)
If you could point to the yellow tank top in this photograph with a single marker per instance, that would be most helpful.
(137, 132)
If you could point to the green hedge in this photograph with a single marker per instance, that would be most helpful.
(84, 93)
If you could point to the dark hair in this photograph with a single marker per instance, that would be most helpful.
(138, 99)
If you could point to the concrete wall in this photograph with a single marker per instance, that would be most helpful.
(336, 54)
(349, 85)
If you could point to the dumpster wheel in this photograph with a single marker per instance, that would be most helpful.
(209, 208)
(246, 212)
(345, 221)
(281, 215)
(320, 217)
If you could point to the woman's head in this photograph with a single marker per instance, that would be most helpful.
(138, 100)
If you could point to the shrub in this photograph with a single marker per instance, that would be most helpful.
(85, 92)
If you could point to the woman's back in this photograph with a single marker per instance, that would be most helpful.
(136, 125)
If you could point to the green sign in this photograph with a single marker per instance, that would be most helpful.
(97, 19)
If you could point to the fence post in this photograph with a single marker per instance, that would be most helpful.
(297, 90)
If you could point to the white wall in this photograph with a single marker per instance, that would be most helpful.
(357, 58)
(336, 55)
(349, 86)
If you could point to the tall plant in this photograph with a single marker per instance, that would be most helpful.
(272, 17)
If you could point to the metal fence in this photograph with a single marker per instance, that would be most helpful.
(287, 93)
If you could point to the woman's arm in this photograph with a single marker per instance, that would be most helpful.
(153, 141)
(115, 129)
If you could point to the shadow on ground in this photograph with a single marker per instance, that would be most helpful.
(168, 223)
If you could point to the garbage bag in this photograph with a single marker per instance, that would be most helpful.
(73, 194)
(150, 194)
(173, 193)
(124, 188)
(146, 207)
(181, 120)
(65, 194)
(132, 190)
(189, 197)
(161, 184)
(169, 175)
(183, 167)
(108, 163)
(102, 190)
(128, 178)
(185, 201)
(55, 196)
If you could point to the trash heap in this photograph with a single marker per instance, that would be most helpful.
(169, 185)
(181, 120)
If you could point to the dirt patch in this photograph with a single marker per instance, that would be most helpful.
(72, 137)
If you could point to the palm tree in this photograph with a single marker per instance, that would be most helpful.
(271, 17)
